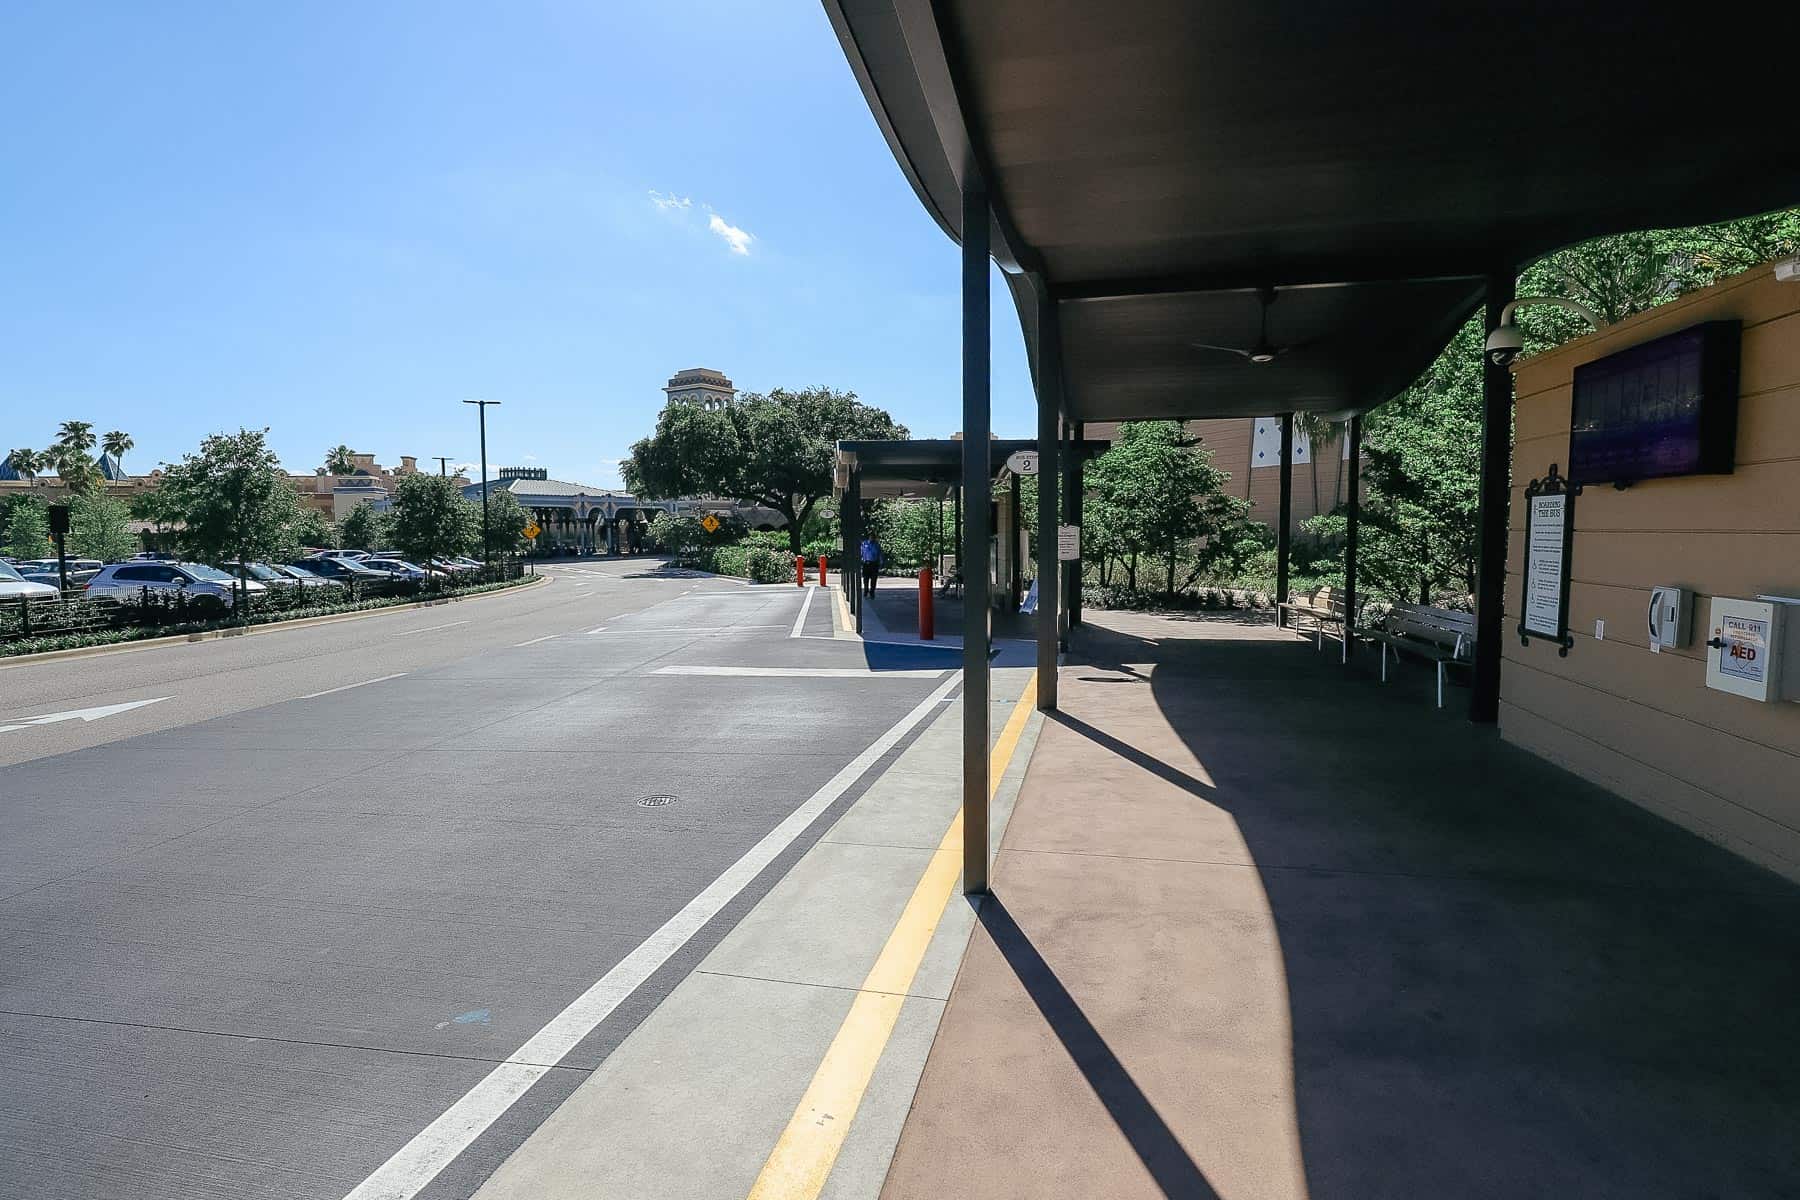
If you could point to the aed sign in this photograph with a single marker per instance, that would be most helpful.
(1749, 643)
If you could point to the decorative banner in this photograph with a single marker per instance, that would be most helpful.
(1265, 447)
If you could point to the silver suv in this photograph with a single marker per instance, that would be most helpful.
(201, 584)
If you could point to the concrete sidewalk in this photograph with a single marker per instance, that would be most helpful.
(1264, 928)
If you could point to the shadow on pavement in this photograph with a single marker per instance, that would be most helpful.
(1150, 1137)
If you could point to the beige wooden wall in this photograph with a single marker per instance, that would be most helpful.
(1645, 725)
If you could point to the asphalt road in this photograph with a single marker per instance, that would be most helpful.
(259, 934)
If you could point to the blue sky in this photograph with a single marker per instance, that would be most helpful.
(341, 219)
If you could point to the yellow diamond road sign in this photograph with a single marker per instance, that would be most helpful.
(532, 530)
(709, 523)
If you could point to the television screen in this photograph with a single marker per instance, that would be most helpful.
(1667, 407)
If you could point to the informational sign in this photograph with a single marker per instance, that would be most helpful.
(1745, 654)
(1068, 543)
(532, 530)
(709, 523)
(1549, 524)
(1544, 564)
(1022, 462)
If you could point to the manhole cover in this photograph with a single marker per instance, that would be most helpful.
(655, 801)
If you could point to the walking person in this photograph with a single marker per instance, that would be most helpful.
(871, 563)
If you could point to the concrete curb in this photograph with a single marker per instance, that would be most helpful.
(213, 635)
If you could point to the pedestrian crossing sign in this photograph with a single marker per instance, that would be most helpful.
(532, 530)
(709, 523)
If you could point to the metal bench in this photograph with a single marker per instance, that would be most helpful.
(1322, 606)
(1439, 635)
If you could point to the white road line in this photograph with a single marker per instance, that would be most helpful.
(429, 628)
(535, 641)
(805, 607)
(688, 629)
(598, 629)
(800, 672)
(348, 686)
(431, 1150)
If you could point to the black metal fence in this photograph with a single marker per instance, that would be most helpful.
(74, 612)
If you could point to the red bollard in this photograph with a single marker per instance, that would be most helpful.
(822, 580)
(927, 619)
(799, 570)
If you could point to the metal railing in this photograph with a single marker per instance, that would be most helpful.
(73, 613)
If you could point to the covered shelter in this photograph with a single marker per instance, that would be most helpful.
(927, 468)
(1206, 210)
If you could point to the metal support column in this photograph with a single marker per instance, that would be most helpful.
(1284, 534)
(1015, 570)
(1352, 518)
(853, 539)
(1496, 491)
(972, 553)
(1076, 484)
(1049, 568)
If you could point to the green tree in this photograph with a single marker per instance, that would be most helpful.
(363, 528)
(507, 519)
(99, 527)
(25, 521)
(340, 460)
(26, 462)
(776, 450)
(679, 534)
(1158, 493)
(234, 499)
(312, 529)
(432, 520)
(116, 444)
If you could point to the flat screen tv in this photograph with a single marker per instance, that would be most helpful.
(1667, 407)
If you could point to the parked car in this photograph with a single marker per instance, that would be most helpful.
(14, 586)
(451, 566)
(352, 555)
(473, 564)
(341, 570)
(258, 572)
(302, 576)
(394, 568)
(45, 570)
(199, 583)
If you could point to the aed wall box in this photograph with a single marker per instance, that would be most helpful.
(1754, 650)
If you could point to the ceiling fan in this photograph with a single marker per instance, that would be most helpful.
(1263, 350)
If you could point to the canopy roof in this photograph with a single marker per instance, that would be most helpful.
(922, 466)
(1152, 164)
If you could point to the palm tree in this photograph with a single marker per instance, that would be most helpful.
(1318, 430)
(74, 469)
(26, 461)
(77, 436)
(116, 444)
(340, 460)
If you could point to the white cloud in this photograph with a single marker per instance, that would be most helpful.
(739, 240)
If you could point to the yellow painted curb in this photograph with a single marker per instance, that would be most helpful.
(213, 635)
(808, 1148)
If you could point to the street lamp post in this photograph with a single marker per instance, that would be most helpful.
(443, 464)
(487, 542)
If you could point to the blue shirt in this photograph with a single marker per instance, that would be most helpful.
(871, 551)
